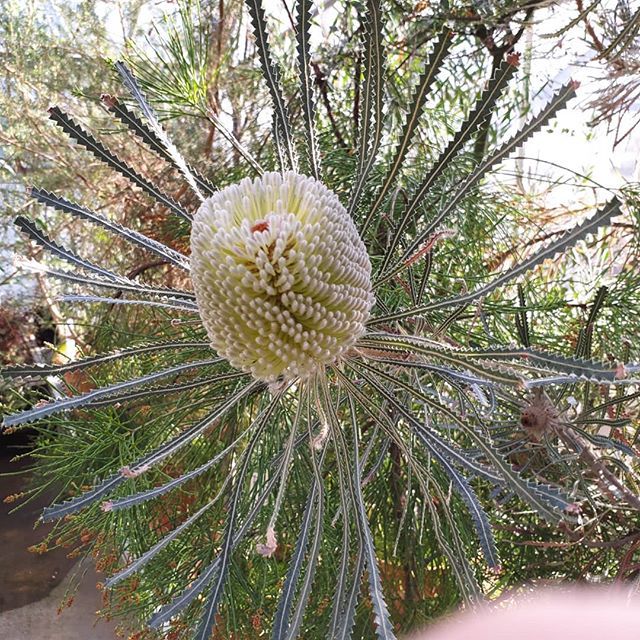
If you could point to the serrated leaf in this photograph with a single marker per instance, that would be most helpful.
(67, 404)
(306, 84)
(568, 239)
(174, 155)
(40, 370)
(282, 124)
(151, 139)
(411, 119)
(52, 200)
(148, 460)
(371, 125)
(524, 133)
(481, 111)
(86, 140)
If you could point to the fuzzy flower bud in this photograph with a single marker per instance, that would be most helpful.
(281, 276)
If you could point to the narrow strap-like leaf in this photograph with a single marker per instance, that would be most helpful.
(86, 140)
(142, 131)
(67, 404)
(626, 35)
(478, 115)
(52, 200)
(207, 620)
(501, 375)
(382, 620)
(233, 141)
(189, 595)
(40, 370)
(312, 563)
(281, 619)
(37, 235)
(522, 324)
(521, 358)
(154, 457)
(155, 492)
(456, 556)
(468, 495)
(164, 303)
(147, 556)
(568, 239)
(411, 119)
(167, 389)
(371, 124)
(345, 622)
(585, 336)
(175, 156)
(122, 284)
(513, 479)
(306, 84)
(282, 124)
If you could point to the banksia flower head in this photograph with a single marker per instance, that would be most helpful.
(281, 276)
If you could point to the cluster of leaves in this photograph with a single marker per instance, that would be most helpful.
(428, 394)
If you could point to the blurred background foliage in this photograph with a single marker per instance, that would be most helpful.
(196, 62)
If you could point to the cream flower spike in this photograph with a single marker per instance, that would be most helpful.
(281, 276)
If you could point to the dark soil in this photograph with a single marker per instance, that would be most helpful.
(25, 577)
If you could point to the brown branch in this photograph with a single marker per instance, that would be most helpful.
(321, 81)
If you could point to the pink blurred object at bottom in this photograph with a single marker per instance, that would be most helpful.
(550, 614)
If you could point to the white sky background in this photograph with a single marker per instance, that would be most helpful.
(573, 143)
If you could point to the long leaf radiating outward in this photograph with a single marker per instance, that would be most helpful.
(176, 157)
(208, 619)
(459, 482)
(167, 389)
(286, 625)
(346, 620)
(85, 139)
(233, 141)
(151, 139)
(480, 519)
(412, 117)
(520, 359)
(455, 555)
(150, 494)
(206, 576)
(148, 460)
(146, 557)
(122, 284)
(282, 124)
(51, 200)
(537, 499)
(570, 238)
(306, 86)
(38, 370)
(67, 404)
(37, 235)
(163, 303)
(382, 620)
(349, 472)
(312, 563)
(479, 114)
(551, 109)
(371, 124)
(281, 619)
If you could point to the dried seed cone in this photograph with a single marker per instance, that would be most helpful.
(281, 276)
